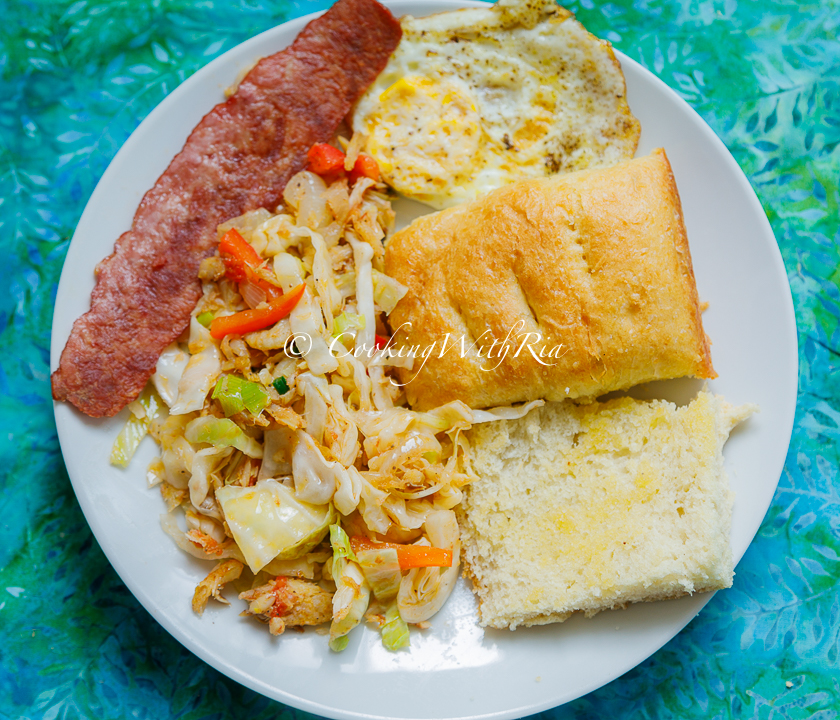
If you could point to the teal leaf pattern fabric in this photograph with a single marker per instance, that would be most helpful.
(76, 78)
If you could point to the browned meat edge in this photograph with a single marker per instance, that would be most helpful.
(238, 158)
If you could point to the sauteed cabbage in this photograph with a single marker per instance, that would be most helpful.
(285, 441)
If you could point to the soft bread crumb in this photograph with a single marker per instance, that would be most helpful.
(591, 507)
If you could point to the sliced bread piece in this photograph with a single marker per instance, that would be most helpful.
(590, 507)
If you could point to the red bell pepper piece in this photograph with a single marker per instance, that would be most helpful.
(324, 159)
(258, 318)
(242, 262)
(365, 166)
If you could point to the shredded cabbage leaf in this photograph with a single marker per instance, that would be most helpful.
(352, 593)
(147, 408)
(382, 571)
(268, 522)
(222, 432)
(395, 635)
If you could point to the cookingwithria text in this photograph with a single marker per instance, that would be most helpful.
(515, 343)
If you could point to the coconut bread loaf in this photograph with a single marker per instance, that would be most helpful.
(590, 507)
(568, 286)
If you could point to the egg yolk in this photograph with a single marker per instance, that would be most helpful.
(425, 134)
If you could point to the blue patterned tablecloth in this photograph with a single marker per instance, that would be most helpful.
(76, 77)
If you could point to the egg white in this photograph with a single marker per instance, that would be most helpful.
(475, 99)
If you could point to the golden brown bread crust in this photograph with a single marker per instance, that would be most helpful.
(595, 262)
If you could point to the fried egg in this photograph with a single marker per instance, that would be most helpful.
(475, 99)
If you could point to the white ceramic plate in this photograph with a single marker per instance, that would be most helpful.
(454, 669)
